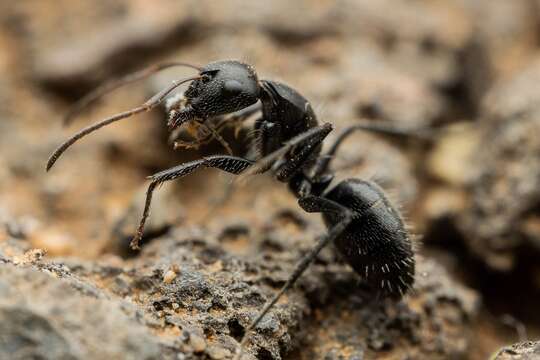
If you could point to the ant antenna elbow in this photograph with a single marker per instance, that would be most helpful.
(148, 105)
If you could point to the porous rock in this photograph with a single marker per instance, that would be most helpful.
(47, 313)
(528, 350)
(503, 216)
(133, 309)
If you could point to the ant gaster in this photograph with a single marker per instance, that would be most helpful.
(365, 227)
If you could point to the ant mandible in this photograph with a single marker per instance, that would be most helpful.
(365, 227)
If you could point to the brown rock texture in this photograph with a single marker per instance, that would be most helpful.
(70, 288)
(529, 350)
(188, 296)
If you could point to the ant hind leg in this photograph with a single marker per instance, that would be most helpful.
(390, 130)
(310, 204)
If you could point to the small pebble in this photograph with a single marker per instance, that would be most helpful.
(169, 277)
(218, 352)
(197, 343)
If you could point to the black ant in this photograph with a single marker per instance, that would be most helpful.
(365, 227)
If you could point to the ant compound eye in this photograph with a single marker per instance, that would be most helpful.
(205, 78)
(232, 87)
(223, 87)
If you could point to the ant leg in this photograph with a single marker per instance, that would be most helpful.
(218, 123)
(109, 86)
(194, 144)
(384, 129)
(290, 165)
(308, 139)
(216, 136)
(310, 204)
(245, 113)
(148, 105)
(235, 119)
(230, 164)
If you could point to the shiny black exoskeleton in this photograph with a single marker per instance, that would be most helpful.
(362, 223)
(223, 87)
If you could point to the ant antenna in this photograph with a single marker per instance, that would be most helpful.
(109, 86)
(148, 105)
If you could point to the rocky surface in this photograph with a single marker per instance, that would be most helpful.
(188, 296)
(467, 69)
(529, 350)
(48, 313)
(505, 180)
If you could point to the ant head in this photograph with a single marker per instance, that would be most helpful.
(223, 87)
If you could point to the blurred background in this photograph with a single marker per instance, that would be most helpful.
(470, 68)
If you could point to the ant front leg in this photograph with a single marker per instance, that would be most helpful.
(310, 204)
(230, 164)
(238, 118)
(213, 127)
